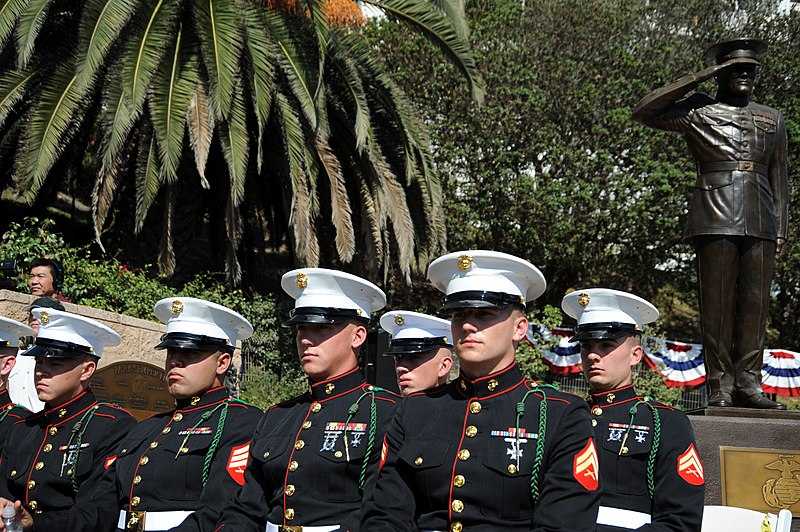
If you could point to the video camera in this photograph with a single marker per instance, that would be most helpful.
(8, 272)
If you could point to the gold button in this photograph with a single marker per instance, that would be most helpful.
(266, 455)
(472, 430)
(457, 506)
(594, 422)
(512, 468)
(69, 472)
(31, 484)
(289, 514)
(307, 425)
(166, 430)
(459, 481)
(418, 461)
(123, 451)
(52, 431)
(492, 384)
(316, 407)
(177, 417)
(456, 527)
(37, 512)
(299, 444)
(183, 450)
(597, 411)
(144, 460)
(289, 491)
(136, 480)
(39, 466)
(13, 472)
(47, 447)
(135, 501)
(463, 385)
(195, 400)
(624, 450)
(293, 466)
(463, 454)
(475, 407)
(62, 412)
(338, 454)
(153, 444)
(33, 505)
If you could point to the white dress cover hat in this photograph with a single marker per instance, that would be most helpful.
(199, 324)
(67, 335)
(11, 331)
(414, 332)
(603, 313)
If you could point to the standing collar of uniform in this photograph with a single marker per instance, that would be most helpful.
(612, 397)
(337, 385)
(212, 396)
(72, 407)
(5, 399)
(493, 384)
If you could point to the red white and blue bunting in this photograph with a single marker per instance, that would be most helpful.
(680, 363)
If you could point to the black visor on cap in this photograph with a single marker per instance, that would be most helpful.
(49, 348)
(196, 342)
(611, 330)
(323, 315)
(412, 346)
(481, 299)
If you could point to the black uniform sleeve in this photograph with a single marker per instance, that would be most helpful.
(678, 502)
(221, 486)
(390, 504)
(565, 503)
(95, 506)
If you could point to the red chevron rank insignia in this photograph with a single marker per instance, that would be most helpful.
(585, 467)
(690, 468)
(238, 462)
(109, 460)
(384, 452)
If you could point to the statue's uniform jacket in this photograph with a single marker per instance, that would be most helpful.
(38, 459)
(677, 504)
(301, 471)
(453, 461)
(742, 186)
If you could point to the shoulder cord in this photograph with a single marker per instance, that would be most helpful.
(651, 458)
(540, 437)
(373, 422)
(77, 436)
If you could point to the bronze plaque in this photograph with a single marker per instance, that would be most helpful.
(138, 387)
(767, 480)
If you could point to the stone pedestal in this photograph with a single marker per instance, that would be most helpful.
(745, 428)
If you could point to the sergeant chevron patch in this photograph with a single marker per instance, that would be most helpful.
(238, 462)
(690, 468)
(585, 466)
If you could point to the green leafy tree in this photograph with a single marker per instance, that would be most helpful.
(279, 108)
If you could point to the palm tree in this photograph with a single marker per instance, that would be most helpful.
(284, 95)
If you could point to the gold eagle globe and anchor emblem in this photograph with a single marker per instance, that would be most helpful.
(583, 299)
(177, 307)
(464, 262)
(782, 492)
(302, 281)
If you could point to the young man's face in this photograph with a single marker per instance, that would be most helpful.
(607, 363)
(421, 371)
(59, 380)
(192, 372)
(485, 338)
(40, 281)
(327, 350)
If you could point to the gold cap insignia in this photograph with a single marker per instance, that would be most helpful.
(635, 326)
(302, 281)
(522, 299)
(359, 312)
(583, 299)
(44, 319)
(464, 262)
(399, 320)
(177, 307)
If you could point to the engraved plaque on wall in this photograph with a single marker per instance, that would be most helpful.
(138, 387)
(766, 480)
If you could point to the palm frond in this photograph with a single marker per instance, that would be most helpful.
(233, 230)
(341, 213)
(235, 146)
(173, 88)
(117, 121)
(166, 252)
(10, 10)
(319, 18)
(100, 27)
(103, 193)
(373, 238)
(441, 30)
(13, 87)
(149, 33)
(260, 54)
(30, 22)
(148, 178)
(454, 10)
(343, 65)
(201, 130)
(52, 123)
(219, 26)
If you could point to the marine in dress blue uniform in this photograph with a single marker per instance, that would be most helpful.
(54, 459)
(652, 475)
(313, 458)
(491, 450)
(421, 349)
(10, 333)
